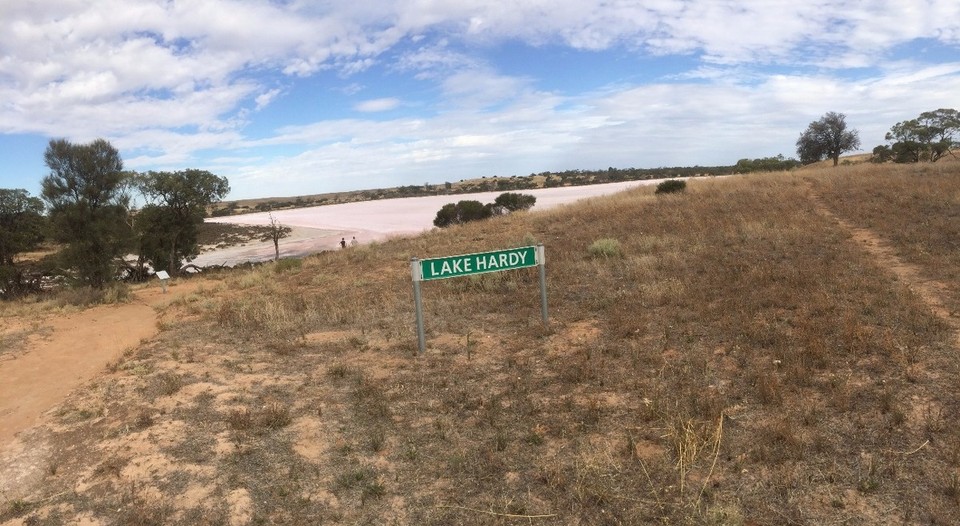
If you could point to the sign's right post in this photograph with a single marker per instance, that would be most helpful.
(542, 264)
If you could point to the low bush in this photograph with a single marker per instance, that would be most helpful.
(671, 186)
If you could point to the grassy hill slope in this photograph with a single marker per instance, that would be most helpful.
(742, 358)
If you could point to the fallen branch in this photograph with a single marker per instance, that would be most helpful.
(495, 514)
(908, 453)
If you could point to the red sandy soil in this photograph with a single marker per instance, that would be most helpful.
(70, 350)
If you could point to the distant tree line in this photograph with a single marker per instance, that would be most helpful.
(87, 198)
(766, 164)
(88, 205)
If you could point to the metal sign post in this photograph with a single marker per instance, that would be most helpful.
(542, 263)
(415, 271)
(478, 263)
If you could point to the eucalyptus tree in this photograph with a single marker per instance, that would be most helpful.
(88, 207)
(176, 205)
(827, 138)
(21, 229)
(929, 137)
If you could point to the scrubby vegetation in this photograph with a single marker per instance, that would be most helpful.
(671, 186)
(469, 210)
(743, 360)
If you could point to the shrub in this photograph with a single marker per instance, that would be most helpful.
(462, 212)
(512, 202)
(606, 247)
(466, 211)
(671, 186)
(115, 293)
(274, 416)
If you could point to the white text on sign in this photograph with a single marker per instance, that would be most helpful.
(467, 264)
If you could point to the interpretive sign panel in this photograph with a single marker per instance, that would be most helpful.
(478, 263)
(164, 278)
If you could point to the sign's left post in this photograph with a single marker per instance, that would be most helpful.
(417, 275)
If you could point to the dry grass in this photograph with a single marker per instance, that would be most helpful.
(741, 361)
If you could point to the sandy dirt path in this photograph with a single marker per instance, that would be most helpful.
(930, 291)
(71, 350)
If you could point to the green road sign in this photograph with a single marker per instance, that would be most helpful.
(479, 263)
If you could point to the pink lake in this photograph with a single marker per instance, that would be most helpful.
(321, 228)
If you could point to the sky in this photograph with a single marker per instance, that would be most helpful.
(295, 97)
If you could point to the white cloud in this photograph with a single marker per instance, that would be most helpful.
(665, 124)
(170, 150)
(264, 99)
(434, 60)
(483, 87)
(377, 105)
(173, 79)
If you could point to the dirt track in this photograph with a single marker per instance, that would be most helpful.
(70, 351)
(930, 291)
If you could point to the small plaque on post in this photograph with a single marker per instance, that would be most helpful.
(164, 277)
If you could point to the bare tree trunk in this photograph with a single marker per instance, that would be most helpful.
(276, 248)
(173, 266)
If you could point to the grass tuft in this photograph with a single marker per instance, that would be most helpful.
(605, 248)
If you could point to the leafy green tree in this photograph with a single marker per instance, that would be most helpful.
(827, 138)
(927, 138)
(512, 202)
(21, 223)
(553, 182)
(908, 141)
(21, 229)
(169, 223)
(88, 207)
(150, 225)
(882, 154)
